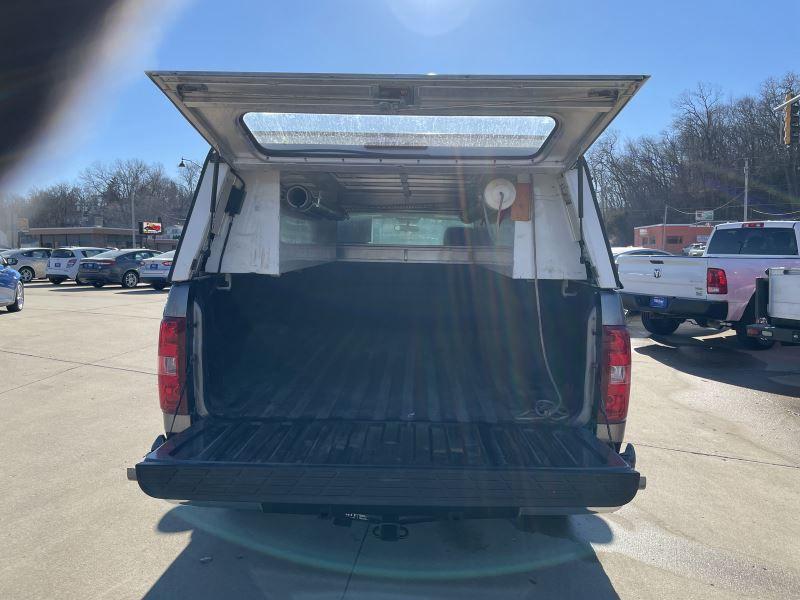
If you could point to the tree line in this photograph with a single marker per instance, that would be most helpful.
(102, 193)
(698, 162)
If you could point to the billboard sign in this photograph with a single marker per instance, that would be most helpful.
(704, 215)
(149, 228)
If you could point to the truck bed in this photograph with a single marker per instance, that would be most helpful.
(366, 466)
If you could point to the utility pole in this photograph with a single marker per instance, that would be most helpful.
(664, 230)
(746, 185)
(133, 219)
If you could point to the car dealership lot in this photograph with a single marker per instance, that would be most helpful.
(715, 429)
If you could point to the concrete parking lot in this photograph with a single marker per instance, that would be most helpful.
(716, 431)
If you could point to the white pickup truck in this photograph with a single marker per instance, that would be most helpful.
(716, 289)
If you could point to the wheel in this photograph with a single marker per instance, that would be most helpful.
(130, 279)
(98, 284)
(26, 274)
(158, 286)
(659, 325)
(80, 281)
(56, 280)
(19, 299)
(751, 343)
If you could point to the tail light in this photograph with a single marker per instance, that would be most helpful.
(716, 281)
(167, 263)
(71, 262)
(172, 365)
(616, 377)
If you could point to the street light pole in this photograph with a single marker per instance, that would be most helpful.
(133, 219)
(746, 185)
(664, 230)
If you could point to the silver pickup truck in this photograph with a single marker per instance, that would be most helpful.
(394, 297)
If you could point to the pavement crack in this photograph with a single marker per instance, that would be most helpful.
(714, 455)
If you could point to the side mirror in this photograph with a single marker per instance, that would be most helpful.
(3, 262)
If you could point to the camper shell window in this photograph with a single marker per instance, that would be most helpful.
(425, 135)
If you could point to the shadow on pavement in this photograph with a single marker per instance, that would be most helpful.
(148, 291)
(720, 358)
(74, 288)
(247, 554)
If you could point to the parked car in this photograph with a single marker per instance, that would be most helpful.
(114, 266)
(618, 251)
(155, 271)
(12, 289)
(65, 262)
(352, 329)
(777, 315)
(695, 249)
(716, 290)
(30, 262)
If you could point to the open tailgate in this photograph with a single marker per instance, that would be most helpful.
(562, 116)
(407, 466)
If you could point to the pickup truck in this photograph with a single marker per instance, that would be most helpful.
(394, 299)
(777, 316)
(717, 289)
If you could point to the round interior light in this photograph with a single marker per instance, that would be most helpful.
(499, 194)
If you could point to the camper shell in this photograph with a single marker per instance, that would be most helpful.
(394, 296)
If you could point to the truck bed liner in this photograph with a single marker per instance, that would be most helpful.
(356, 464)
(376, 375)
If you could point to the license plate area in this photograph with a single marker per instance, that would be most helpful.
(154, 266)
(658, 302)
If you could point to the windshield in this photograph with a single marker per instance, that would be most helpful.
(521, 135)
(62, 253)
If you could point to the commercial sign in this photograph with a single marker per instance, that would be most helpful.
(149, 228)
(704, 215)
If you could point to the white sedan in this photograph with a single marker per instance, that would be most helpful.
(154, 271)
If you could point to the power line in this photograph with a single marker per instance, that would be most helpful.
(762, 212)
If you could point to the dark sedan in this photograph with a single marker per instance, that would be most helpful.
(114, 266)
(12, 291)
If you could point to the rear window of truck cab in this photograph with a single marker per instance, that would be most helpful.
(426, 135)
(766, 241)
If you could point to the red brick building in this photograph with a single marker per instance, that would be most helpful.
(678, 236)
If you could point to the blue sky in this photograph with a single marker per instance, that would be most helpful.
(119, 113)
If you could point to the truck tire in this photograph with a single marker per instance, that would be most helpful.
(751, 343)
(659, 325)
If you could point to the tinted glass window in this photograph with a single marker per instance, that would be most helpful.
(28, 254)
(91, 252)
(754, 240)
(110, 254)
(407, 230)
(63, 254)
